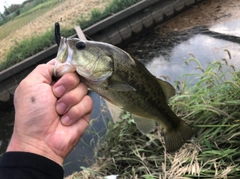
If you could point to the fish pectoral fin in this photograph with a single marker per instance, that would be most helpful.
(144, 125)
(168, 89)
(113, 103)
(118, 86)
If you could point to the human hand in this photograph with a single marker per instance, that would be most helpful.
(50, 116)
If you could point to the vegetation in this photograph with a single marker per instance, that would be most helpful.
(33, 8)
(11, 24)
(211, 106)
(97, 15)
(11, 9)
(30, 6)
(31, 46)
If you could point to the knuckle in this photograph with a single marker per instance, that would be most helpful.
(71, 79)
(24, 83)
(72, 98)
(83, 87)
(41, 66)
(88, 101)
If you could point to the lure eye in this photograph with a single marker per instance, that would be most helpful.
(80, 45)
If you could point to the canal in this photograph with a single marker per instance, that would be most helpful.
(208, 31)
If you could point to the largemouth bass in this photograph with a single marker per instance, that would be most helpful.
(126, 83)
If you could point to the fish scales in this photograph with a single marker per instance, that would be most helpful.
(145, 101)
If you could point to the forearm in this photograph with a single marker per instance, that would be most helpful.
(15, 165)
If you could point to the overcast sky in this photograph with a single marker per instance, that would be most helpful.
(8, 3)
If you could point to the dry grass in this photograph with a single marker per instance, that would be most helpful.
(67, 12)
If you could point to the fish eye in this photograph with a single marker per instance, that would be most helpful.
(80, 45)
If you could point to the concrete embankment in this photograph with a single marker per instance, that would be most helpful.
(116, 30)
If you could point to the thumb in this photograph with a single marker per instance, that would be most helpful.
(41, 74)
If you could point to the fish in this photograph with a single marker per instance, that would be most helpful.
(126, 83)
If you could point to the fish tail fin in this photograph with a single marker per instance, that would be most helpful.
(175, 138)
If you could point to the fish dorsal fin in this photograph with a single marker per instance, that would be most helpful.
(118, 86)
(128, 57)
(168, 89)
(144, 125)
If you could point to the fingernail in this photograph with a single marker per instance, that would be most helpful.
(59, 91)
(65, 120)
(61, 108)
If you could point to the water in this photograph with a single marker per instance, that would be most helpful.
(82, 154)
(204, 32)
(166, 54)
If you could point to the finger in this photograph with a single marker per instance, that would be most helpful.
(77, 130)
(71, 98)
(81, 111)
(81, 124)
(41, 74)
(52, 62)
(65, 84)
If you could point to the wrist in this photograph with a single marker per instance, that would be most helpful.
(33, 146)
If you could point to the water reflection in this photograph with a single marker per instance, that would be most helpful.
(228, 28)
(202, 47)
(165, 53)
(82, 155)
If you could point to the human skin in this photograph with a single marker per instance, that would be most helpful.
(50, 116)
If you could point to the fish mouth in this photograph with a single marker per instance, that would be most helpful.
(62, 68)
(62, 45)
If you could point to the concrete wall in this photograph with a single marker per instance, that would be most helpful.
(116, 30)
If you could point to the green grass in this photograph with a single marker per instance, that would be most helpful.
(43, 6)
(31, 46)
(211, 106)
(19, 52)
(96, 15)
(25, 18)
